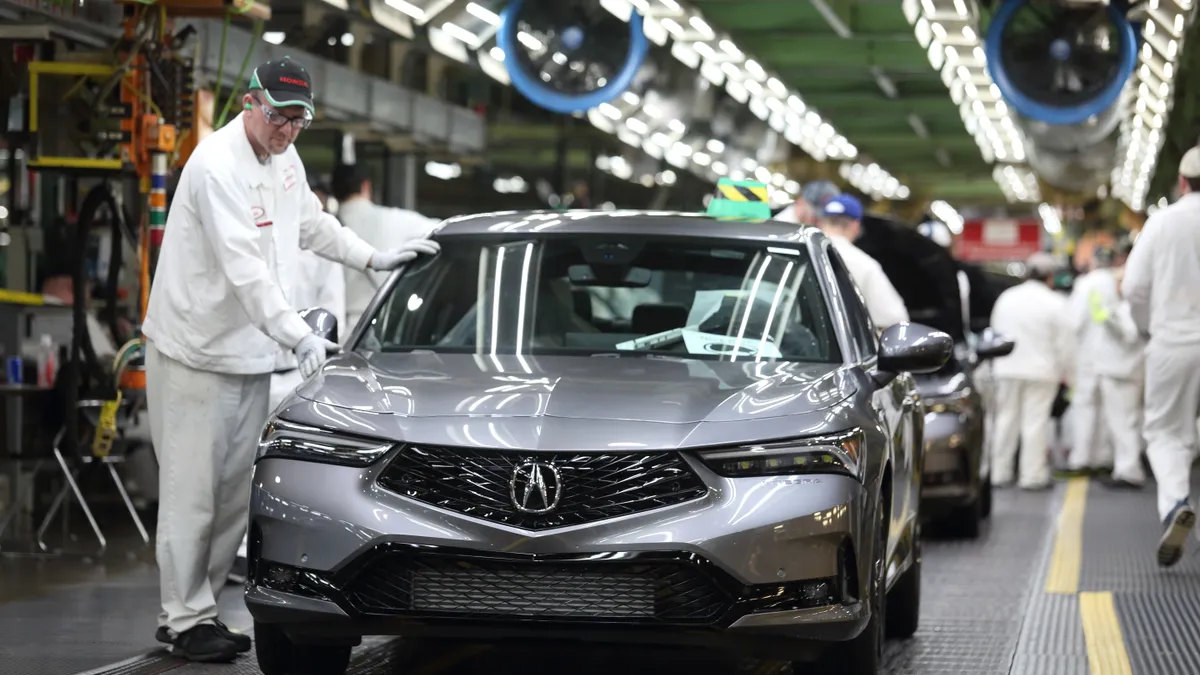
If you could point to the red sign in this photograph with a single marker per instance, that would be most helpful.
(998, 239)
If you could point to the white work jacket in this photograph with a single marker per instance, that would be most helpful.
(1036, 318)
(221, 299)
(884, 304)
(1111, 346)
(384, 228)
(1162, 275)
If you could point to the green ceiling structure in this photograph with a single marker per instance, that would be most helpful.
(858, 63)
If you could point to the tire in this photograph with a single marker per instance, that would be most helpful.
(904, 600)
(864, 654)
(965, 521)
(278, 655)
(985, 498)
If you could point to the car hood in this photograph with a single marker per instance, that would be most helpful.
(644, 389)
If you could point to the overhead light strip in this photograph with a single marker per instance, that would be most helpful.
(694, 42)
(949, 32)
(1150, 94)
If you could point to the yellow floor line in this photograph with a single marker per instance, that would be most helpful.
(1063, 577)
(1102, 632)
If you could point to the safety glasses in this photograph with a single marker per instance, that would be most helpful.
(278, 119)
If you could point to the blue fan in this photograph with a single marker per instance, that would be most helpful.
(569, 56)
(1058, 63)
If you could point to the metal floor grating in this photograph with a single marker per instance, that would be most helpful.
(1159, 610)
(87, 627)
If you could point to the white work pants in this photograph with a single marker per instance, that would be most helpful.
(1108, 422)
(1023, 415)
(1172, 404)
(1091, 442)
(205, 428)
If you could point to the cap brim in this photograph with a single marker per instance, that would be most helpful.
(283, 99)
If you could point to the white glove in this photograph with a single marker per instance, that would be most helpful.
(390, 260)
(311, 353)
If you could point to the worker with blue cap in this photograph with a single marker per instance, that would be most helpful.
(841, 221)
(806, 209)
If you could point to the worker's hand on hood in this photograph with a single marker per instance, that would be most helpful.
(390, 260)
(311, 353)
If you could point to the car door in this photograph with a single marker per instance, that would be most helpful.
(893, 404)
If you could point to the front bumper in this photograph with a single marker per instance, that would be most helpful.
(752, 562)
(952, 460)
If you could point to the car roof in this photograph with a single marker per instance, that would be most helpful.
(623, 221)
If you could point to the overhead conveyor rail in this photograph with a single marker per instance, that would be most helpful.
(345, 95)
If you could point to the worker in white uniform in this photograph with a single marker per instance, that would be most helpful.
(841, 221)
(384, 227)
(1162, 278)
(217, 317)
(1107, 396)
(1091, 450)
(806, 209)
(1034, 316)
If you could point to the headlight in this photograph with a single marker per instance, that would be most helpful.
(838, 453)
(297, 441)
(958, 402)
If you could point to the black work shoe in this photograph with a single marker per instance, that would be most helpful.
(163, 635)
(1176, 527)
(240, 639)
(206, 644)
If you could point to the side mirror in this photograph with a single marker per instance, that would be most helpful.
(911, 348)
(993, 345)
(322, 322)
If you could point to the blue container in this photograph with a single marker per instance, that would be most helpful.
(16, 370)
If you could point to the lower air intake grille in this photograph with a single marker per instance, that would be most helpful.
(638, 592)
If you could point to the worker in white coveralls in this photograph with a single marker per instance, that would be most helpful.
(841, 221)
(384, 227)
(1034, 316)
(217, 316)
(1106, 399)
(1107, 395)
(1162, 285)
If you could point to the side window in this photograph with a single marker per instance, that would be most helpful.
(860, 321)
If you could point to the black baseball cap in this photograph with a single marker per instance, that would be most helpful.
(284, 82)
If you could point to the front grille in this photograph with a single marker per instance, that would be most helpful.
(593, 486)
(674, 592)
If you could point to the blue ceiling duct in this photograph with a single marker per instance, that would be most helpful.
(1062, 67)
(573, 55)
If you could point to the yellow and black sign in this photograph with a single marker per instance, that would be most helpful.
(742, 191)
(740, 200)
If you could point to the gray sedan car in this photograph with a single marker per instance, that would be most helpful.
(619, 427)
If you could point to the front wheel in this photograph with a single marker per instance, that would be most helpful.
(278, 655)
(864, 654)
(904, 600)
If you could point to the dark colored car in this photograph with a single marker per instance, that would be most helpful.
(955, 481)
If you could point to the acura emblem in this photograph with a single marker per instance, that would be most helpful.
(535, 487)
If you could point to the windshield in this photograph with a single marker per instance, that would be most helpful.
(587, 294)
